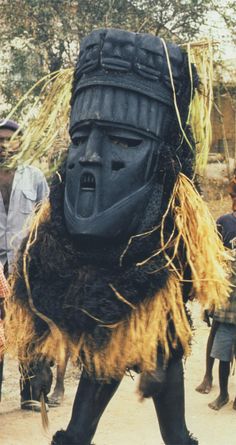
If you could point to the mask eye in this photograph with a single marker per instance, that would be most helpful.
(78, 140)
(125, 142)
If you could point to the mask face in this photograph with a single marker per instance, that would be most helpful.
(109, 176)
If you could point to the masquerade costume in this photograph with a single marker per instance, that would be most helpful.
(112, 259)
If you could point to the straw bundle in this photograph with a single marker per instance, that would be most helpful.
(46, 135)
(201, 54)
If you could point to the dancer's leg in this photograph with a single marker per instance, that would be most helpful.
(170, 407)
(90, 402)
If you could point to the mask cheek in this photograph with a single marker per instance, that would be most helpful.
(152, 165)
(151, 160)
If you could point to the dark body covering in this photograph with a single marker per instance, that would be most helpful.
(126, 153)
(226, 227)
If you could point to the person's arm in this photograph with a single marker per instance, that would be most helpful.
(4, 292)
(219, 229)
(4, 287)
(42, 188)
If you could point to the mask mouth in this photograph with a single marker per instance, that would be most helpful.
(87, 182)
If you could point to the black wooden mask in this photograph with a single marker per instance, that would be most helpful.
(122, 115)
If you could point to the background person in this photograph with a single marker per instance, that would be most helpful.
(226, 226)
(206, 384)
(21, 189)
(224, 343)
(4, 291)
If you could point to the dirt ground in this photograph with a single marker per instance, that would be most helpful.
(127, 421)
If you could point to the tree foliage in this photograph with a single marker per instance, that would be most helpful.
(41, 36)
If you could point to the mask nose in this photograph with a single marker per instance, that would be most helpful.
(90, 159)
(92, 154)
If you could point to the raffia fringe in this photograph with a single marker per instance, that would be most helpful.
(134, 340)
(208, 259)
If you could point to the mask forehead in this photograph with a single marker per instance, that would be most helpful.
(118, 106)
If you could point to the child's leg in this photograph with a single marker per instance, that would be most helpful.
(206, 385)
(223, 397)
(234, 404)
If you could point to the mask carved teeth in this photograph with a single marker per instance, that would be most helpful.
(87, 182)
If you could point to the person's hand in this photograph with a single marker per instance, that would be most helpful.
(207, 317)
(2, 308)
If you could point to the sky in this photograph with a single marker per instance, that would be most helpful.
(216, 29)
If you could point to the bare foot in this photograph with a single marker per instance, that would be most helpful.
(219, 402)
(205, 386)
(234, 404)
